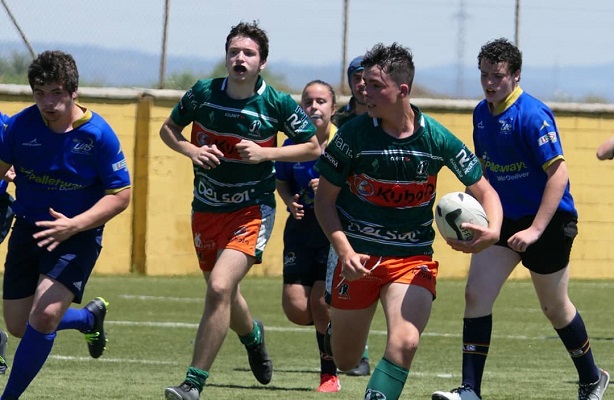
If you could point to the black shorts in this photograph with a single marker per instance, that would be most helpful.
(305, 251)
(71, 263)
(551, 251)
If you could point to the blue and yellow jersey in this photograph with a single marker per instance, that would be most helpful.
(223, 121)
(388, 185)
(299, 174)
(516, 144)
(68, 172)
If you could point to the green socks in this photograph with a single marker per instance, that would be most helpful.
(387, 381)
(197, 377)
(253, 338)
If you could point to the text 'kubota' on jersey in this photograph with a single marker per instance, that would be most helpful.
(388, 185)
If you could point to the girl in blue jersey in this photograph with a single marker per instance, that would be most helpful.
(375, 204)
(305, 245)
(517, 140)
(70, 179)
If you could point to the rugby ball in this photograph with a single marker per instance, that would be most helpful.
(455, 208)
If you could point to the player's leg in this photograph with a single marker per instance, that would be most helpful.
(552, 292)
(329, 380)
(349, 331)
(488, 272)
(407, 308)
(50, 302)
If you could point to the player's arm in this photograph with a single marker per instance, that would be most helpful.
(61, 227)
(558, 178)
(605, 151)
(205, 156)
(253, 153)
(6, 169)
(328, 217)
(290, 199)
(483, 236)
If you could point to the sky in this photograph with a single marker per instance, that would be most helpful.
(552, 33)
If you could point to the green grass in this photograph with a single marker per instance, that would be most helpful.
(152, 322)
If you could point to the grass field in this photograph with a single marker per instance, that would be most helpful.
(152, 322)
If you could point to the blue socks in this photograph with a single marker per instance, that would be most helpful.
(79, 319)
(30, 356)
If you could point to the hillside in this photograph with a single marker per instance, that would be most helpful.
(132, 68)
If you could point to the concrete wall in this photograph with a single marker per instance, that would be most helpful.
(153, 235)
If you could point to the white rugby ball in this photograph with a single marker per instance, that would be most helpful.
(456, 208)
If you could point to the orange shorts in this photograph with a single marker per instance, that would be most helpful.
(247, 230)
(361, 293)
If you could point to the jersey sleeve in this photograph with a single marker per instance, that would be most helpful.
(184, 112)
(543, 137)
(296, 123)
(461, 160)
(113, 168)
(334, 163)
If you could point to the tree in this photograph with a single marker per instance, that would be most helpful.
(185, 79)
(15, 68)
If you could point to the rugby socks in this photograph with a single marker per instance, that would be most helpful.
(197, 377)
(387, 381)
(476, 343)
(327, 365)
(575, 339)
(30, 355)
(253, 338)
(77, 318)
(365, 354)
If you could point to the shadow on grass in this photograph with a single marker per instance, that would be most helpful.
(286, 370)
(254, 387)
(592, 338)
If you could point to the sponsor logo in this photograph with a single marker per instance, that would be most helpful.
(119, 165)
(549, 137)
(290, 258)
(82, 146)
(340, 144)
(506, 126)
(378, 232)
(392, 194)
(372, 394)
(32, 143)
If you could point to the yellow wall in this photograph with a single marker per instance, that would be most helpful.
(163, 191)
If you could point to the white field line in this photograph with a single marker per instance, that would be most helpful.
(309, 330)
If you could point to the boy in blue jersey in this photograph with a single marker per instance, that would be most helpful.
(70, 179)
(6, 220)
(235, 121)
(517, 140)
(375, 202)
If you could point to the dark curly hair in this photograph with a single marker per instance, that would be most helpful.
(252, 31)
(396, 60)
(501, 50)
(54, 66)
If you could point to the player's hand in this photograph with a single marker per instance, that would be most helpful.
(250, 151)
(353, 266)
(10, 174)
(207, 157)
(523, 239)
(314, 184)
(296, 208)
(483, 237)
(54, 232)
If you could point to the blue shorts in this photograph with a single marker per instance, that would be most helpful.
(305, 251)
(71, 263)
